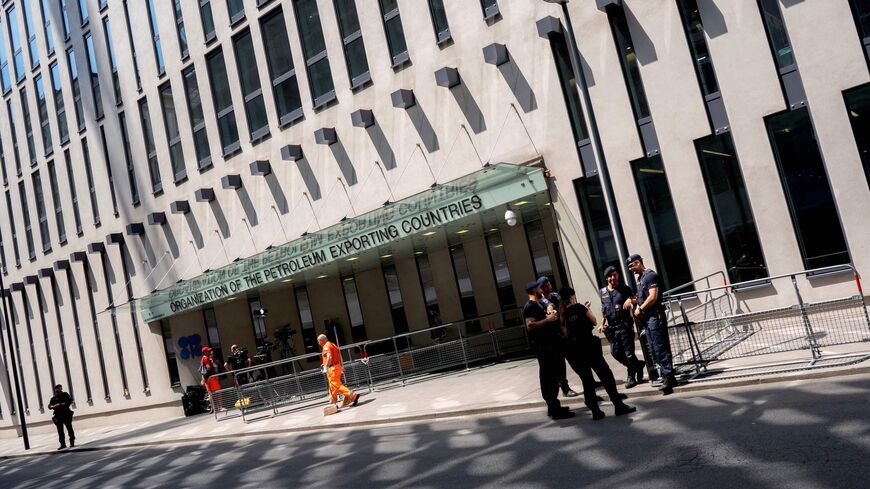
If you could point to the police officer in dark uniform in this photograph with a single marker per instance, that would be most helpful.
(650, 313)
(617, 325)
(544, 332)
(551, 298)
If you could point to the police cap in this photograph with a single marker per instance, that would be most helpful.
(634, 257)
(532, 286)
(609, 270)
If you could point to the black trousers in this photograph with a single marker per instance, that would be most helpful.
(60, 422)
(549, 358)
(585, 356)
(622, 348)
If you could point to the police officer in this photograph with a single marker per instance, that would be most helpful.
(616, 324)
(551, 299)
(650, 313)
(542, 324)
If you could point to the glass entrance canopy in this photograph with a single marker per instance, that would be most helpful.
(484, 191)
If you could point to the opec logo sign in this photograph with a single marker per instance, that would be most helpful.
(191, 346)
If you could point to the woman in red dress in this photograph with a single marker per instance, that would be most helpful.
(208, 368)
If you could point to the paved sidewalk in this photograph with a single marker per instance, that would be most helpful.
(487, 390)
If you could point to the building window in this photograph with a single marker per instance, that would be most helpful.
(394, 293)
(807, 190)
(466, 291)
(155, 37)
(113, 63)
(861, 12)
(354, 49)
(179, 28)
(223, 102)
(776, 33)
(91, 287)
(169, 349)
(59, 109)
(314, 50)
(662, 224)
(732, 212)
(41, 214)
(150, 149)
(596, 221)
(354, 311)
(306, 320)
(108, 159)
(490, 8)
(255, 108)
(70, 178)
(132, 47)
(173, 136)
(628, 61)
(236, 10)
(498, 260)
(83, 11)
(92, 187)
(394, 31)
(13, 229)
(128, 160)
(3, 164)
(207, 20)
(15, 39)
(858, 107)
(569, 86)
(42, 111)
(211, 331)
(694, 28)
(95, 78)
(65, 16)
(427, 283)
(30, 33)
(439, 20)
(539, 250)
(5, 82)
(56, 201)
(258, 321)
(76, 90)
(285, 85)
(197, 121)
(14, 134)
(46, 25)
(28, 126)
(25, 214)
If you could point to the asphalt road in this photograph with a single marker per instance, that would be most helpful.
(808, 434)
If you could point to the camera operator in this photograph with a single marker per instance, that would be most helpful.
(237, 360)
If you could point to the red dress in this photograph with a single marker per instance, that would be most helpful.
(212, 383)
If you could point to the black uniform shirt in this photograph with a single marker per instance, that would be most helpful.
(577, 322)
(237, 361)
(64, 398)
(546, 334)
(649, 279)
(612, 302)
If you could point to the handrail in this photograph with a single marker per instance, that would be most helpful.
(667, 293)
(759, 281)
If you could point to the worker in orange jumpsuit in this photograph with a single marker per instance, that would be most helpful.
(331, 365)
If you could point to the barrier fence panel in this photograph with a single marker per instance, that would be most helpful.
(267, 389)
(710, 330)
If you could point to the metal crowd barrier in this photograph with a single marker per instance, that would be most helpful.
(268, 389)
(706, 325)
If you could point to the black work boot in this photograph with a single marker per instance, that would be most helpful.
(623, 409)
(597, 414)
(638, 371)
(629, 381)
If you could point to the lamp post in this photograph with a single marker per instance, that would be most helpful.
(13, 364)
(600, 161)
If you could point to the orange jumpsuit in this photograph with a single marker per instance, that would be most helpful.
(333, 372)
